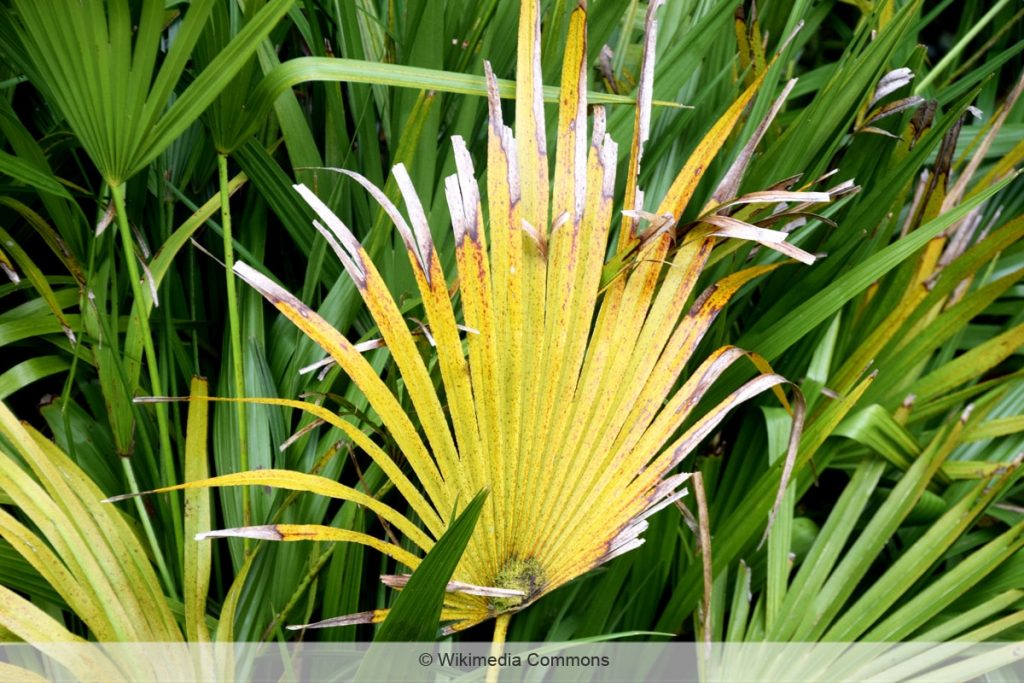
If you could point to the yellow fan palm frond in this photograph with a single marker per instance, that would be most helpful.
(565, 396)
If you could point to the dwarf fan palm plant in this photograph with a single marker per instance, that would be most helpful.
(95, 565)
(103, 66)
(564, 397)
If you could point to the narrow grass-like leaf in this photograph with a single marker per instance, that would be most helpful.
(306, 69)
(38, 280)
(951, 585)
(770, 343)
(22, 171)
(825, 552)
(33, 625)
(842, 582)
(197, 518)
(415, 615)
(29, 371)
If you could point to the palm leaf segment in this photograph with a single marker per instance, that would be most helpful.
(103, 66)
(560, 396)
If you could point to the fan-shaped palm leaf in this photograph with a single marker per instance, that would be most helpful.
(562, 398)
(98, 63)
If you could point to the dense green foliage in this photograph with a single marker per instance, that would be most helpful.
(904, 517)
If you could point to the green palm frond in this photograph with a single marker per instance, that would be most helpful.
(104, 69)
